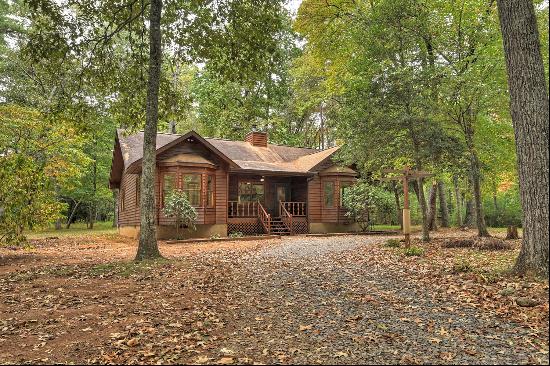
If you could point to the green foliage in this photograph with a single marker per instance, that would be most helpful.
(36, 158)
(236, 234)
(416, 83)
(366, 203)
(25, 199)
(414, 251)
(393, 243)
(503, 209)
(177, 205)
(215, 236)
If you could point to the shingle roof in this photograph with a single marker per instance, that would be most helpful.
(273, 158)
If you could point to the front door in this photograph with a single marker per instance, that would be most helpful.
(281, 193)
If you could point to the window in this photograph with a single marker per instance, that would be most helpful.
(168, 185)
(192, 186)
(328, 192)
(251, 192)
(210, 191)
(344, 187)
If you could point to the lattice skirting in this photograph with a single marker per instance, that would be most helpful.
(247, 228)
(300, 227)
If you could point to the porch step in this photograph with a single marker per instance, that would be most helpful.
(278, 227)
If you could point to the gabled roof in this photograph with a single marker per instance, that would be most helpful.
(240, 155)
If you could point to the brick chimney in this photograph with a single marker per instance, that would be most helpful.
(256, 138)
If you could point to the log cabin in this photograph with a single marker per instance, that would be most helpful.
(250, 186)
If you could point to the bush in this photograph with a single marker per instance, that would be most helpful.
(492, 244)
(215, 236)
(393, 243)
(178, 206)
(458, 243)
(414, 251)
(236, 234)
(367, 203)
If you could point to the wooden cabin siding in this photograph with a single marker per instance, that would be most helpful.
(314, 199)
(129, 209)
(188, 148)
(317, 212)
(221, 195)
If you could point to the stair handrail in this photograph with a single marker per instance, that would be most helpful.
(286, 217)
(265, 218)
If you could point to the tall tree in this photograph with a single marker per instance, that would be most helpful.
(443, 207)
(530, 114)
(148, 247)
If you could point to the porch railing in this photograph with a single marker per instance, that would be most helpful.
(298, 209)
(242, 209)
(265, 218)
(286, 217)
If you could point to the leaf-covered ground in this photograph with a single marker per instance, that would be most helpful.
(344, 300)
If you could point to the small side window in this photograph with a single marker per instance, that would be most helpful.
(168, 185)
(328, 192)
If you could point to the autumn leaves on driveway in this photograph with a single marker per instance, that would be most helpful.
(343, 300)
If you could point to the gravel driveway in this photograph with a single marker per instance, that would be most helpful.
(318, 300)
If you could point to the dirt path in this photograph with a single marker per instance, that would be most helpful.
(294, 300)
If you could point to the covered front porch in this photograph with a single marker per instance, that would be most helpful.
(270, 204)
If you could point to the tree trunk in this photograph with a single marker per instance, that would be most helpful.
(148, 247)
(443, 207)
(512, 232)
(529, 109)
(458, 202)
(70, 219)
(475, 171)
(432, 212)
(91, 216)
(58, 224)
(92, 212)
(419, 190)
(398, 206)
(470, 218)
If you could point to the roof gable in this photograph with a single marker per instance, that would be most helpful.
(240, 155)
(172, 142)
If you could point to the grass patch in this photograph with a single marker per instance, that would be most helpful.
(78, 228)
(392, 243)
(414, 228)
(414, 251)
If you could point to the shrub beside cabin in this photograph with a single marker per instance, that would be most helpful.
(250, 186)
